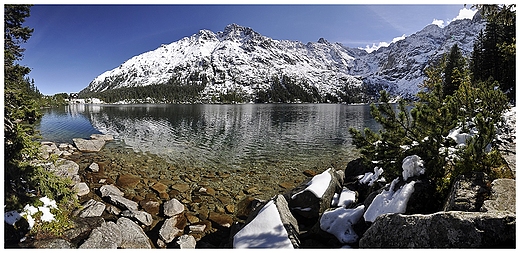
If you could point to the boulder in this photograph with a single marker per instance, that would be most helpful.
(107, 236)
(107, 190)
(92, 208)
(82, 228)
(132, 235)
(503, 196)
(221, 219)
(272, 226)
(187, 242)
(467, 193)
(173, 207)
(172, 227)
(54, 243)
(122, 202)
(453, 229)
(312, 198)
(81, 189)
(64, 168)
(140, 216)
(88, 145)
(94, 167)
(356, 168)
(150, 206)
(127, 181)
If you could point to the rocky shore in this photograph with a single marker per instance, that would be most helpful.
(338, 208)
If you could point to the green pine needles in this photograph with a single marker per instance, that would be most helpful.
(452, 130)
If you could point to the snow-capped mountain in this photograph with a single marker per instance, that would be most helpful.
(241, 60)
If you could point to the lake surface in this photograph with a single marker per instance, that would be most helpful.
(221, 137)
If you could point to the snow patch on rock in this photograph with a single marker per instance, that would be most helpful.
(339, 223)
(265, 231)
(390, 201)
(318, 184)
(412, 166)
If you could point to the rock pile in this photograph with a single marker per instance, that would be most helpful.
(334, 209)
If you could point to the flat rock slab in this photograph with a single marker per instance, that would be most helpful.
(503, 196)
(88, 145)
(453, 229)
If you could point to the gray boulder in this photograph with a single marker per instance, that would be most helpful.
(88, 145)
(140, 216)
(122, 202)
(94, 167)
(107, 236)
(64, 168)
(55, 243)
(310, 203)
(81, 189)
(187, 242)
(172, 227)
(132, 235)
(503, 196)
(107, 190)
(92, 208)
(172, 207)
(453, 229)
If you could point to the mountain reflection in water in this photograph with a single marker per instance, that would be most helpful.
(253, 136)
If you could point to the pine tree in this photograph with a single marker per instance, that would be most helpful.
(21, 110)
(494, 54)
(424, 129)
(453, 72)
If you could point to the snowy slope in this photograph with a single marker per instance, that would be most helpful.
(240, 59)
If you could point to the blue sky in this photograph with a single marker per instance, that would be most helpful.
(72, 44)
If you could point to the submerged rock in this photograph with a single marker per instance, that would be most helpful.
(88, 145)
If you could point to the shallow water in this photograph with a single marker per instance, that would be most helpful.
(253, 149)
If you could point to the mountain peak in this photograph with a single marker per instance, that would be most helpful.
(236, 32)
(239, 60)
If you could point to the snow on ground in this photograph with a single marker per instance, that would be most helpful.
(266, 230)
(339, 223)
(412, 166)
(318, 184)
(12, 217)
(390, 201)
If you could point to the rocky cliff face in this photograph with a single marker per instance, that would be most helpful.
(238, 59)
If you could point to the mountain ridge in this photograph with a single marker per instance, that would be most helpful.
(241, 61)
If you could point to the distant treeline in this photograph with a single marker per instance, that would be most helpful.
(282, 89)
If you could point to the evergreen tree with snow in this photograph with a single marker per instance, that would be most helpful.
(451, 129)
